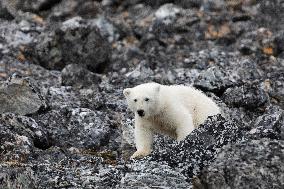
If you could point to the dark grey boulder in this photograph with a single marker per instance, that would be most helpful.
(269, 125)
(78, 127)
(149, 174)
(249, 96)
(19, 137)
(67, 9)
(17, 177)
(78, 76)
(4, 13)
(20, 96)
(199, 148)
(76, 41)
(216, 80)
(248, 164)
(30, 5)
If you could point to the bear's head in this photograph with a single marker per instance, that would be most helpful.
(143, 99)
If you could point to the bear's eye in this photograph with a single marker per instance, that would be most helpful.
(135, 100)
(147, 99)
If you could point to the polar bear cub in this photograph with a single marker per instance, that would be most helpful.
(171, 110)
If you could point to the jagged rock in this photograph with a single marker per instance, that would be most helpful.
(172, 19)
(269, 125)
(215, 80)
(20, 96)
(152, 174)
(78, 76)
(78, 127)
(71, 8)
(80, 168)
(127, 137)
(19, 135)
(250, 96)
(4, 13)
(53, 50)
(17, 178)
(84, 138)
(248, 164)
(199, 148)
(29, 5)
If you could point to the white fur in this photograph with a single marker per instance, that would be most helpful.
(171, 110)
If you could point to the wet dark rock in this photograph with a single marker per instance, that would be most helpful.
(248, 164)
(250, 96)
(53, 51)
(20, 96)
(78, 76)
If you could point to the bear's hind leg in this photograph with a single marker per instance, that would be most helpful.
(185, 127)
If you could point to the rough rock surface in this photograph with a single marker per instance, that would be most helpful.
(78, 76)
(200, 147)
(64, 122)
(249, 164)
(20, 96)
(88, 46)
(250, 96)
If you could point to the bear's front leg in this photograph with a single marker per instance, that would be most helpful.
(143, 140)
(184, 127)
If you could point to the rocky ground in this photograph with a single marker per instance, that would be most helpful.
(64, 63)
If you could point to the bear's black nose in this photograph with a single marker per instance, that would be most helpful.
(140, 113)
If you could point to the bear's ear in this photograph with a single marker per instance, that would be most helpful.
(126, 92)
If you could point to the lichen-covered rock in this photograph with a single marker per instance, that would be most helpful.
(20, 96)
(30, 5)
(250, 96)
(248, 164)
(170, 18)
(78, 76)
(199, 148)
(213, 80)
(20, 135)
(152, 174)
(17, 178)
(269, 125)
(53, 50)
(4, 13)
(84, 138)
(79, 127)
(78, 168)
(67, 9)
(217, 79)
